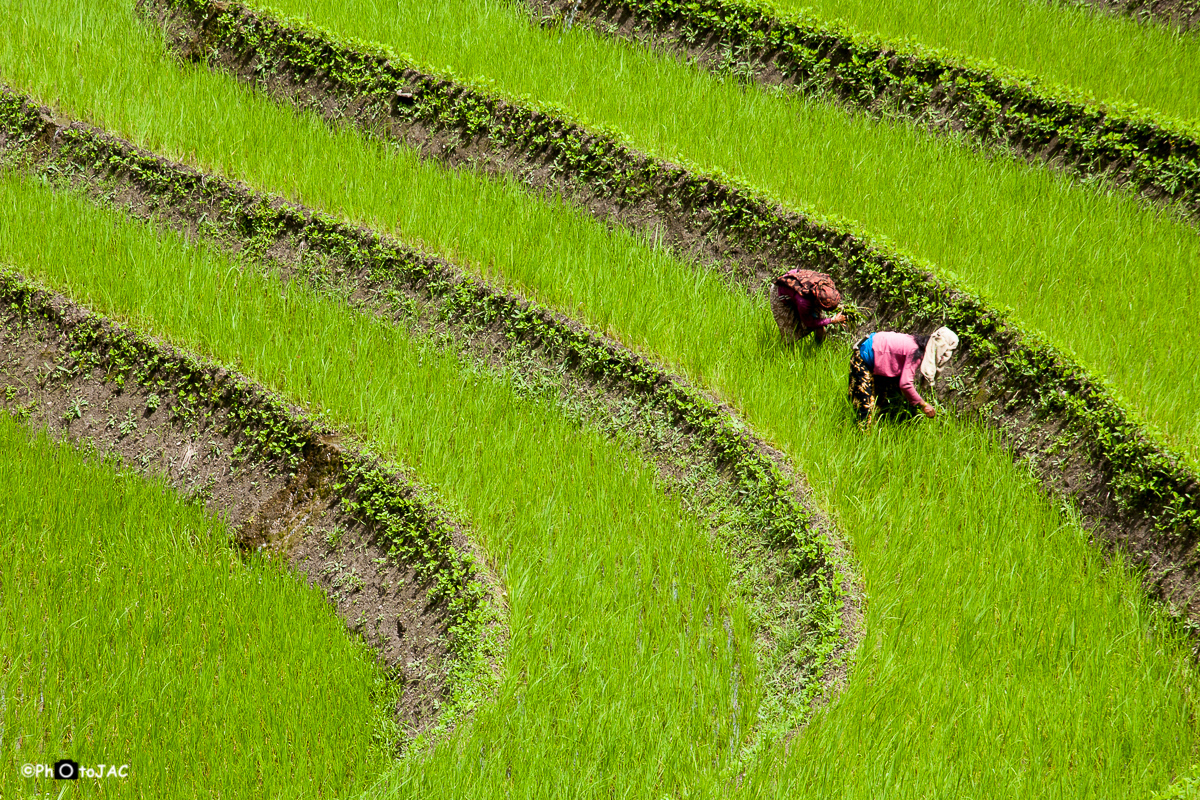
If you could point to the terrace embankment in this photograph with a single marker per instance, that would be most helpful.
(1140, 150)
(397, 570)
(1086, 446)
(792, 565)
(1182, 14)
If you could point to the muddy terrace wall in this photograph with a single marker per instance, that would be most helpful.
(397, 569)
(1085, 446)
(1143, 151)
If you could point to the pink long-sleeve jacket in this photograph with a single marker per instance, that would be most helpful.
(896, 357)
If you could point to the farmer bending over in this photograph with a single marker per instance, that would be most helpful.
(897, 355)
(799, 300)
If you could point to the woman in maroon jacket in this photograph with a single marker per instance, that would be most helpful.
(799, 300)
(900, 356)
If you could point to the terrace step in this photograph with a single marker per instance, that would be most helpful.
(285, 484)
(1143, 151)
(1086, 446)
(758, 505)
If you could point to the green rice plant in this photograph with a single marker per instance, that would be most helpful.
(936, 552)
(1020, 235)
(998, 642)
(749, 506)
(1146, 151)
(623, 631)
(1023, 236)
(133, 633)
(1111, 58)
(1097, 273)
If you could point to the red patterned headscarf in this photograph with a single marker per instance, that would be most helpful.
(814, 285)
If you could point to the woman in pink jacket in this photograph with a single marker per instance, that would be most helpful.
(898, 356)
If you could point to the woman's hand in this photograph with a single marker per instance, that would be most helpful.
(929, 410)
(838, 319)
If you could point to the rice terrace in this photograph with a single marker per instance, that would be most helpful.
(600, 398)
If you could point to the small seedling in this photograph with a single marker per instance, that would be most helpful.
(76, 409)
(22, 413)
(333, 536)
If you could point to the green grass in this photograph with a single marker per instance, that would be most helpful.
(133, 633)
(624, 639)
(1100, 275)
(971, 676)
(1001, 657)
(1111, 58)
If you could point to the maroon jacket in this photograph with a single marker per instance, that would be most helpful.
(792, 284)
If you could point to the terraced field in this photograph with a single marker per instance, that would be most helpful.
(1151, 66)
(955, 209)
(417, 426)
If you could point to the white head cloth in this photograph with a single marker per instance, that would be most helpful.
(937, 353)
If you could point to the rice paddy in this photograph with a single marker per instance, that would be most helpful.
(1002, 656)
(131, 632)
(1022, 236)
(1110, 59)
(530, 494)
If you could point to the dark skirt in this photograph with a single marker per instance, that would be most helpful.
(862, 388)
(871, 394)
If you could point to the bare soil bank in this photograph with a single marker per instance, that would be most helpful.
(1182, 14)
